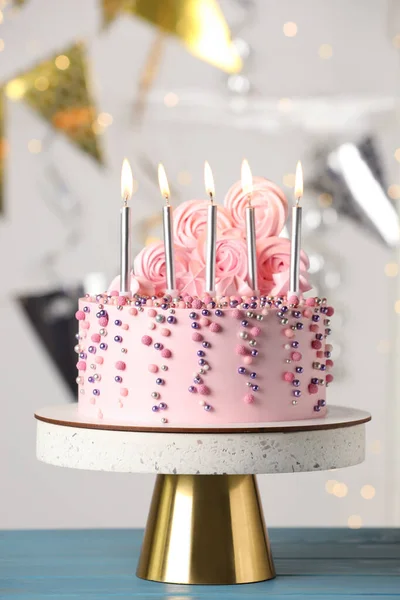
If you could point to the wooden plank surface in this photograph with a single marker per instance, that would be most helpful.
(311, 563)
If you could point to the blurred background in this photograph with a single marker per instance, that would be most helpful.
(84, 84)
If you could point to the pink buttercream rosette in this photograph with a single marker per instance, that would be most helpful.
(231, 265)
(190, 222)
(137, 285)
(149, 264)
(269, 202)
(273, 260)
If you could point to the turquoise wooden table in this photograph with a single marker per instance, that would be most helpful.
(100, 564)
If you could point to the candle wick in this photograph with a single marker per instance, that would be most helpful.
(166, 199)
(211, 198)
(125, 200)
(249, 199)
(298, 198)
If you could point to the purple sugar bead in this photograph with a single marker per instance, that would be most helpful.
(192, 315)
(171, 320)
(195, 325)
(201, 353)
(255, 388)
(90, 379)
(299, 325)
(296, 382)
(317, 408)
(96, 392)
(253, 375)
(297, 393)
(205, 312)
(206, 345)
(254, 352)
(315, 380)
(92, 350)
(295, 344)
(315, 318)
(192, 389)
(219, 313)
(299, 369)
(118, 378)
(118, 322)
(244, 323)
(154, 408)
(162, 406)
(321, 403)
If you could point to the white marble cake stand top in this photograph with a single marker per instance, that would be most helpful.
(66, 439)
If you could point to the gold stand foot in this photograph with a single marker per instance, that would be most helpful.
(206, 529)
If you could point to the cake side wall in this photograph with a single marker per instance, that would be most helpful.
(155, 367)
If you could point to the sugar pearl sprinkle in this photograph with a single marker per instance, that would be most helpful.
(206, 317)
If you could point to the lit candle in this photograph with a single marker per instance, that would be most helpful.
(125, 229)
(211, 231)
(247, 186)
(295, 248)
(167, 230)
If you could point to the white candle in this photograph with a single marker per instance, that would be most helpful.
(167, 231)
(251, 239)
(125, 229)
(295, 245)
(211, 241)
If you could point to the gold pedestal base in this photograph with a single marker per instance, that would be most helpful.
(206, 529)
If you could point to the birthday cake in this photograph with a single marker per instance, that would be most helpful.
(192, 358)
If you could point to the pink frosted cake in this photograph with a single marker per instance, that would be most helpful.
(190, 360)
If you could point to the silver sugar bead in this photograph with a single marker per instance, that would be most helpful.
(288, 361)
(294, 402)
(78, 380)
(92, 366)
(119, 307)
(160, 318)
(81, 391)
(164, 420)
(201, 372)
(284, 321)
(243, 335)
(164, 368)
(155, 395)
(124, 350)
(252, 343)
(250, 314)
(248, 383)
(259, 317)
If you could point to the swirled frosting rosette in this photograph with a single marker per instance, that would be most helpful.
(270, 206)
(190, 222)
(137, 285)
(273, 260)
(149, 264)
(231, 265)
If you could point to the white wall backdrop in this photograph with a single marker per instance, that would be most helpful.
(353, 92)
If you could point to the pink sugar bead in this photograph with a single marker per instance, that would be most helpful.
(249, 399)
(146, 340)
(85, 325)
(121, 300)
(255, 331)
(314, 328)
(236, 313)
(166, 353)
(125, 326)
(215, 327)
(120, 365)
(153, 368)
(114, 293)
(103, 321)
(165, 332)
(329, 378)
(149, 302)
(313, 388)
(310, 302)
(329, 347)
(316, 344)
(296, 356)
(265, 311)
(92, 400)
(80, 315)
(188, 299)
(81, 365)
(133, 311)
(288, 376)
(181, 304)
(100, 414)
(95, 338)
(207, 299)
(120, 403)
(293, 299)
(330, 311)
(123, 391)
(203, 389)
(197, 337)
(152, 312)
(329, 363)
(197, 303)
(99, 360)
(320, 354)
(289, 333)
(204, 321)
(241, 350)
(247, 360)
(307, 313)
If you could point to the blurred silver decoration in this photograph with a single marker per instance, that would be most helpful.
(353, 175)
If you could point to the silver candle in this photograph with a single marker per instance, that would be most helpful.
(125, 229)
(295, 246)
(167, 231)
(247, 186)
(211, 241)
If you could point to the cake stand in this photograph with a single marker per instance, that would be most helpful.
(205, 524)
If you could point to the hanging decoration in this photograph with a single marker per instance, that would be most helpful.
(58, 90)
(199, 24)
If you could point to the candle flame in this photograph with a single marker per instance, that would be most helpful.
(126, 180)
(163, 182)
(209, 181)
(298, 186)
(247, 179)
